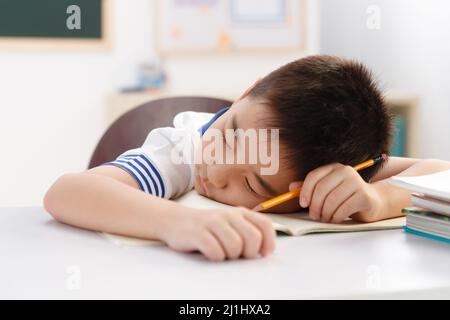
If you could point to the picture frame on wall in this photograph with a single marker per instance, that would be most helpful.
(226, 26)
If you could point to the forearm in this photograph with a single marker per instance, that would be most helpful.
(393, 198)
(102, 203)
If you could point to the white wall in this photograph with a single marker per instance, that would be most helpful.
(409, 52)
(52, 104)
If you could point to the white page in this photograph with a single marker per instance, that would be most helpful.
(435, 184)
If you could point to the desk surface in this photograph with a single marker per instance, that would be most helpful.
(41, 258)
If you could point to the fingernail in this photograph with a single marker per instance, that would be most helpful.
(303, 202)
(294, 186)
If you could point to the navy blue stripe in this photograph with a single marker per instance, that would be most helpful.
(149, 174)
(127, 170)
(133, 157)
(206, 126)
(139, 172)
(157, 174)
(153, 168)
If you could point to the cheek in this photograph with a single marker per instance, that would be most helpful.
(236, 197)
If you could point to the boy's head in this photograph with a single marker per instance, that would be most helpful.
(327, 110)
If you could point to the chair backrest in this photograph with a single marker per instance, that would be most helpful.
(131, 129)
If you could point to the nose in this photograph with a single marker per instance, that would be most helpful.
(218, 175)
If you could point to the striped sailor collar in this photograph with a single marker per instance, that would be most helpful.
(206, 126)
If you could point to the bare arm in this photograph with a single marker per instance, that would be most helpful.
(108, 199)
(394, 166)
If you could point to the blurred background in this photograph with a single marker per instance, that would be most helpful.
(60, 92)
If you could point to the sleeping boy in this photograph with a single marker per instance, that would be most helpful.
(309, 121)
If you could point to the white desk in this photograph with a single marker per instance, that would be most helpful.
(38, 254)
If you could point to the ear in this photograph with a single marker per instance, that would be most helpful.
(249, 89)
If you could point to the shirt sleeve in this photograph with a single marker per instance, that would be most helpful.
(153, 165)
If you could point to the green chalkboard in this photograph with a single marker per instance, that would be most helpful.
(49, 19)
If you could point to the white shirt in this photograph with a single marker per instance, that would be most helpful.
(153, 166)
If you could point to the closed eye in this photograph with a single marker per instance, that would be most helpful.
(249, 188)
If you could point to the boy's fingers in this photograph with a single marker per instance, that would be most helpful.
(346, 209)
(310, 182)
(251, 235)
(295, 185)
(229, 239)
(210, 247)
(266, 227)
(323, 188)
(335, 198)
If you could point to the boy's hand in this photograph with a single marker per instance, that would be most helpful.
(221, 233)
(335, 192)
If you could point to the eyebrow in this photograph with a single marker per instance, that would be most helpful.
(266, 186)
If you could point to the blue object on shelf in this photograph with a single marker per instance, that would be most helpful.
(398, 145)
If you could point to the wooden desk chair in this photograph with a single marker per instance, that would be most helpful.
(131, 129)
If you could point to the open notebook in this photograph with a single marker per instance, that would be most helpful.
(294, 224)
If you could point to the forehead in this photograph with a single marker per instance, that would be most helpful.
(251, 113)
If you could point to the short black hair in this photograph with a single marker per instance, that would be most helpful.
(328, 109)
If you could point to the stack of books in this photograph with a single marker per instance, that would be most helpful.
(430, 214)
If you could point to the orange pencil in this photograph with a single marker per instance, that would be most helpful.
(295, 193)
